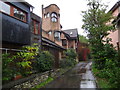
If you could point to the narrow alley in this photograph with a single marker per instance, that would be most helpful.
(78, 77)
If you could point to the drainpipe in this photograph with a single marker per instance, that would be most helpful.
(41, 30)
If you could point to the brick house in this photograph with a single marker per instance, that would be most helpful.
(73, 38)
(115, 35)
(51, 32)
(15, 24)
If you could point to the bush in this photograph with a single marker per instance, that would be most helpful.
(70, 59)
(44, 61)
(7, 71)
(67, 63)
(71, 54)
(111, 72)
(26, 59)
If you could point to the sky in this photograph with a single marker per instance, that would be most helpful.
(70, 11)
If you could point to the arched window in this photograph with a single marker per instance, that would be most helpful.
(54, 17)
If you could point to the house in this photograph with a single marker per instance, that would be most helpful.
(73, 38)
(36, 31)
(15, 25)
(51, 32)
(115, 35)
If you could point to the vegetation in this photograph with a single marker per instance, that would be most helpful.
(44, 61)
(26, 59)
(105, 57)
(70, 59)
(7, 72)
(43, 83)
(83, 39)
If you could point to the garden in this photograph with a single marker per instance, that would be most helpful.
(31, 61)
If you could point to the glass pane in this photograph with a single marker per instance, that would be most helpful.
(54, 19)
(53, 15)
(32, 26)
(5, 7)
(19, 14)
(37, 28)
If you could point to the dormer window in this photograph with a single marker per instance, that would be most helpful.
(54, 17)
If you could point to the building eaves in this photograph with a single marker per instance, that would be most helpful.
(22, 1)
(51, 43)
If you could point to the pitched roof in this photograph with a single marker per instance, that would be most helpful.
(73, 33)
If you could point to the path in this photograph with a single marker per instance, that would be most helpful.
(78, 77)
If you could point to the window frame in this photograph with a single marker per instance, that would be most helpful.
(25, 14)
(57, 35)
(34, 27)
(12, 12)
(64, 42)
(54, 17)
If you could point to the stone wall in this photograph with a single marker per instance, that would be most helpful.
(32, 81)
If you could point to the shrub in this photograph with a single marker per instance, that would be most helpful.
(26, 59)
(7, 71)
(71, 54)
(44, 62)
(69, 60)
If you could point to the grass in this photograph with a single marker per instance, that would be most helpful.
(43, 83)
(101, 82)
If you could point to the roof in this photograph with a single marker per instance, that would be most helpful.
(28, 4)
(115, 7)
(22, 1)
(73, 33)
(35, 17)
(51, 5)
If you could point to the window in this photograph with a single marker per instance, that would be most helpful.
(35, 27)
(13, 11)
(50, 32)
(5, 7)
(53, 17)
(57, 35)
(64, 42)
(19, 14)
(48, 15)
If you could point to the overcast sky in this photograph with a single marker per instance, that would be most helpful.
(70, 11)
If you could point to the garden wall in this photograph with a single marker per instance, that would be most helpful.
(31, 81)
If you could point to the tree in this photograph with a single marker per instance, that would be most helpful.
(96, 23)
(83, 39)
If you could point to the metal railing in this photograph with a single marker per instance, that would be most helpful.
(7, 49)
